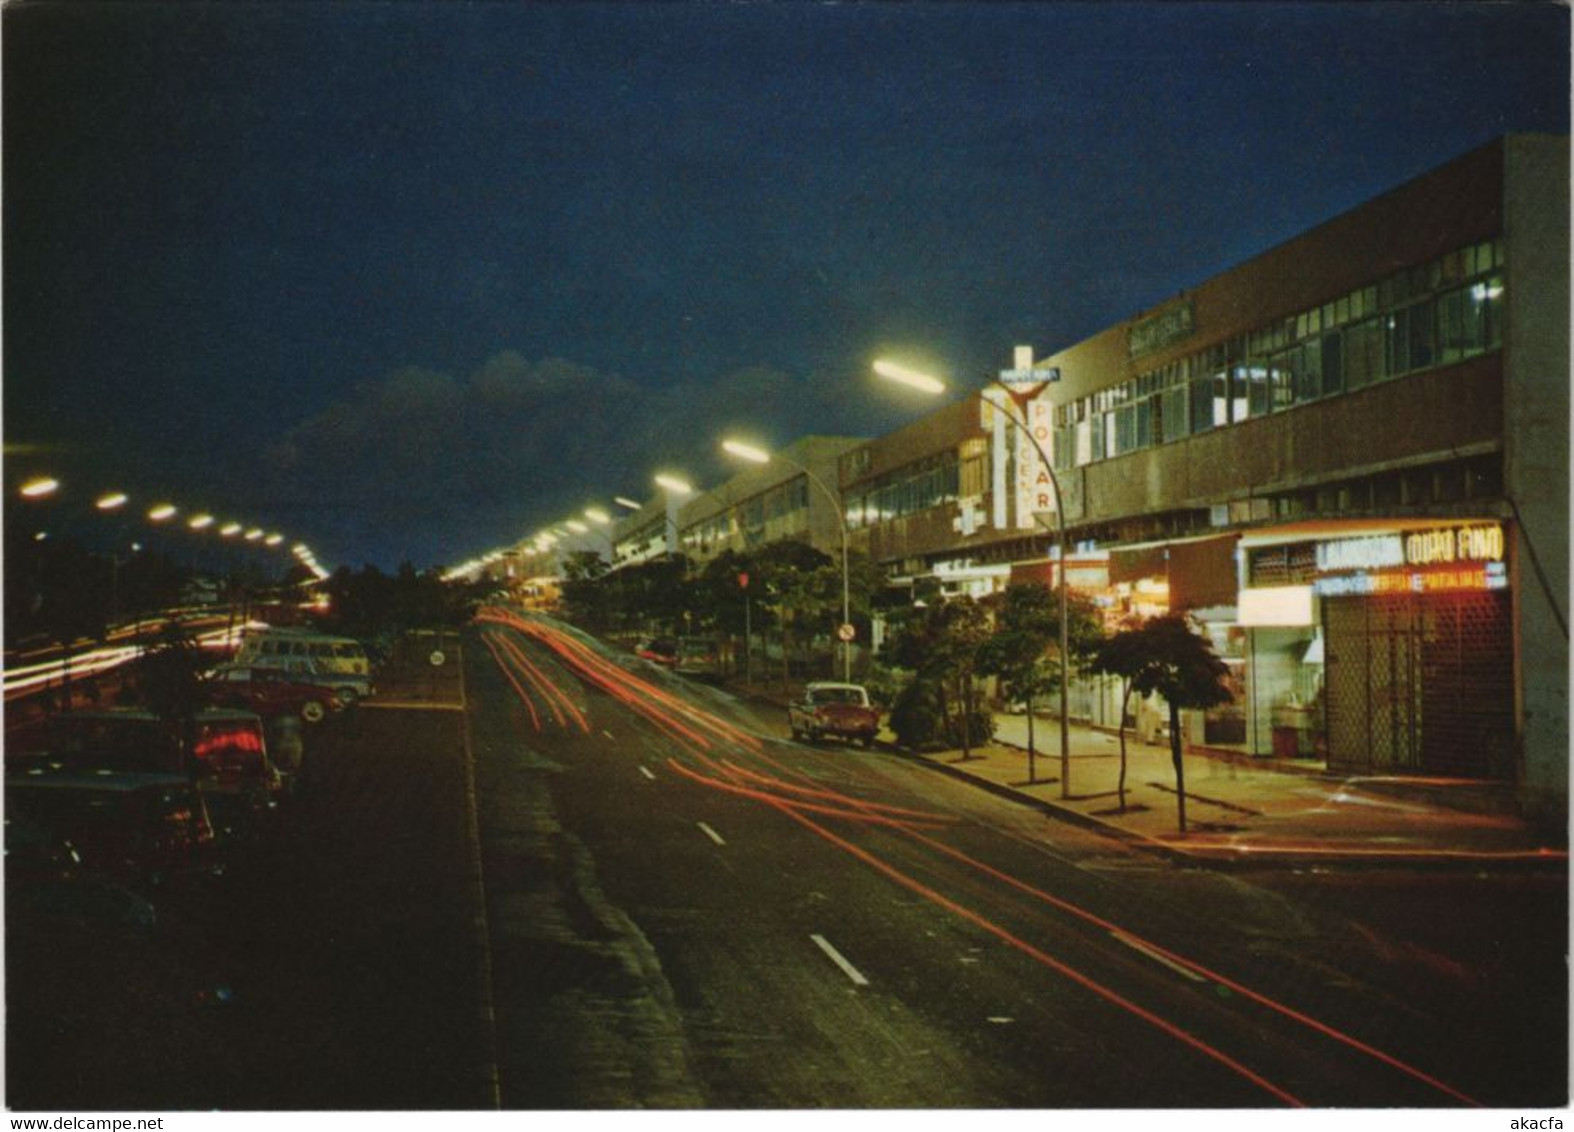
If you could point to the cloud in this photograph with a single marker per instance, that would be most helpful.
(426, 466)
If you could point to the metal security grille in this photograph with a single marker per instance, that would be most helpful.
(1420, 684)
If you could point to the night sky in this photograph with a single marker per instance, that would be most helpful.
(410, 280)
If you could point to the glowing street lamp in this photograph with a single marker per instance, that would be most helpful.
(200, 522)
(161, 512)
(254, 534)
(229, 530)
(911, 378)
(623, 501)
(674, 484)
(932, 385)
(111, 501)
(756, 455)
(39, 487)
(273, 540)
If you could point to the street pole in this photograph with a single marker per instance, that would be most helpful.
(1065, 636)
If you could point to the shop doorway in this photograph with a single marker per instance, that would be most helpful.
(1420, 684)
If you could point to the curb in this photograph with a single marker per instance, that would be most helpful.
(1247, 857)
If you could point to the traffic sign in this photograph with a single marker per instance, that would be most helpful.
(846, 632)
(437, 658)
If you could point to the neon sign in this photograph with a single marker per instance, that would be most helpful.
(1489, 576)
(1479, 543)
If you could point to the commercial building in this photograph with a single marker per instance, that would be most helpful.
(1346, 457)
(793, 496)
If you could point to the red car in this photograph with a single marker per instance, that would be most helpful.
(271, 692)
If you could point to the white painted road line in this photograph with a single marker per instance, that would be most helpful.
(645, 770)
(608, 734)
(710, 833)
(836, 957)
(1157, 958)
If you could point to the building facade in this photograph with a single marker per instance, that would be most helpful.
(794, 496)
(1347, 458)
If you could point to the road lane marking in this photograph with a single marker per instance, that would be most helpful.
(1157, 958)
(608, 734)
(710, 833)
(645, 770)
(840, 960)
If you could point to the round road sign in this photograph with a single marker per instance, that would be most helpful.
(437, 658)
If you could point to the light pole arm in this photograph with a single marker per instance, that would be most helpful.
(1065, 635)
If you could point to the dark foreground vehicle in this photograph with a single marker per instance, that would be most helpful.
(134, 826)
(839, 711)
(224, 753)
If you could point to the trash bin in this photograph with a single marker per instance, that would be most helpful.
(1286, 743)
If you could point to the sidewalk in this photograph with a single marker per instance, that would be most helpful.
(1243, 811)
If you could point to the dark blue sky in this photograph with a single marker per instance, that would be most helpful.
(410, 280)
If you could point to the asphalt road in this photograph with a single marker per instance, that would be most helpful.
(682, 914)
(542, 876)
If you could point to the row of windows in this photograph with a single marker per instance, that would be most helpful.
(766, 517)
(1340, 347)
(917, 487)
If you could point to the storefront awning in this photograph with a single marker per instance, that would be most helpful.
(1200, 571)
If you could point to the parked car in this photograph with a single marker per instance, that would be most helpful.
(222, 751)
(339, 664)
(840, 711)
(130, 825)
(659, 650)
(271, 692)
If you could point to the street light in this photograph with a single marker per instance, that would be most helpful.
(928, 384)
(161, 512)
(37, 488)
(756, 455)
(111, 501)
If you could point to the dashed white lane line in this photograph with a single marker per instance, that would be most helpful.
(1157, 958)
(608, 734)
(710, 833)
(645, 770)
(840, 960)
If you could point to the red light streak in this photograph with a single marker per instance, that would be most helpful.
(497, 656)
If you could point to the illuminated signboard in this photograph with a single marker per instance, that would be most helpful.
(1026, 481)
(1476, 543)
(1488, 576)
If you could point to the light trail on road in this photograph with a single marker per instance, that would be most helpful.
(663, 708)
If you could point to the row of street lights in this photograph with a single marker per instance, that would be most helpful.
(159, 513)
(1012, 406)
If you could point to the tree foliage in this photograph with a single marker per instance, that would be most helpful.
(1165, 656)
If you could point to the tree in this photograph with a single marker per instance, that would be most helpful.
(586, 599)
(941, 644)
(1164, 656)
(1122, 655)
(1027, 622)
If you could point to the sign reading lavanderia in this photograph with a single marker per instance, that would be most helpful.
(1466, 557)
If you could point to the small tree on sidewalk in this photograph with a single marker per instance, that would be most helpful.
(1122, 655)
(1165, 656)
(1027, 622)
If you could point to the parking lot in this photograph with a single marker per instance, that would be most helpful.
(332, 965)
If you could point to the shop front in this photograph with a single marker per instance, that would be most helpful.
(1382, 648)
